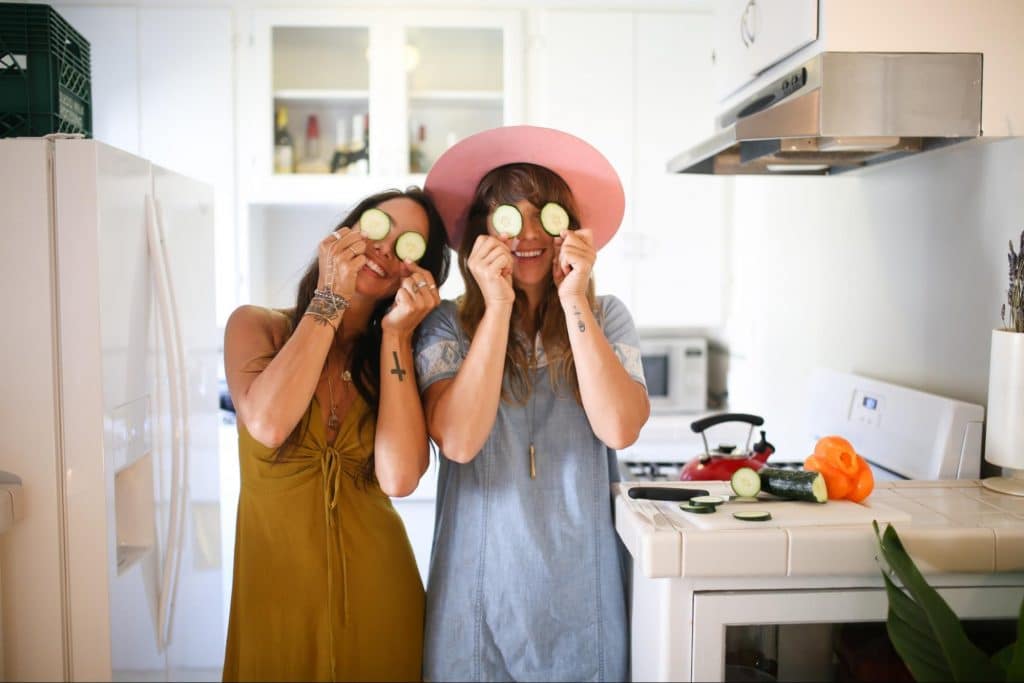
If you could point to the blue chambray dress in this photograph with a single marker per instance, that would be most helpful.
(526, 579)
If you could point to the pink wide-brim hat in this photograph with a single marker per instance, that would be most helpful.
(453, 179)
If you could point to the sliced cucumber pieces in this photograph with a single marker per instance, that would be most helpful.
(696, 509)
(375, 224)
(745, 482)
(410, 246)
(554, 219)
(753, 516)
(710, 501)
(507, 220)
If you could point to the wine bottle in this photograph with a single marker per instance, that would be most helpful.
(359, 152)
(311, 161)
(339, 160)
(284, 147)
(417, 158)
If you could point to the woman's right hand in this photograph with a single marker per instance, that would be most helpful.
(341, 255)
(490, 263)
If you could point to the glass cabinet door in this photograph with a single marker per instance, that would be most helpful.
(320, 83)
(455, 87)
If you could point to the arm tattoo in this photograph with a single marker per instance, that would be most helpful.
(398, 368)
(579, 322)
(324, 312)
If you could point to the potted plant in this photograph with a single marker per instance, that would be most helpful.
(1004, 426)
(927, 634)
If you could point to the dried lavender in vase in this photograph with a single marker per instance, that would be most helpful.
(1015, 294)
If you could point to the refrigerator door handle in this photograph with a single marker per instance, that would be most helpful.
(184, 416)
(164, 309)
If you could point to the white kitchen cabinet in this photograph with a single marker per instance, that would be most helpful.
(752, 35)
(646, 92)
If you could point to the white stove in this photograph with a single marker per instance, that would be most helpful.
(903, 433)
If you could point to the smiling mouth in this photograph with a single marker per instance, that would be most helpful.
(532, 253)
(375, 269)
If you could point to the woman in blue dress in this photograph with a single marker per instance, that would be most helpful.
(530, 382)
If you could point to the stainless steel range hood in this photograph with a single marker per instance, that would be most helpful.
(845, 110)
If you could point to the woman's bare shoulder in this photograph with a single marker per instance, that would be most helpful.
(273, 325)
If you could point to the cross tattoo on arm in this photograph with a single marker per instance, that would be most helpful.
(398, 368)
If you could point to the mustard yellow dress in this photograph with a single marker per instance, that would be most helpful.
(325, 581)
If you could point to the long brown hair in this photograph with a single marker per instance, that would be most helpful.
(365, 360)
(507, 185)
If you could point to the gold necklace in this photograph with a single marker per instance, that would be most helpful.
(333, 422)
(533, 452)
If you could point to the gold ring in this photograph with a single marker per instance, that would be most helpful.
(336, 236)
(421, 283)
(354, 254)
(433, 286)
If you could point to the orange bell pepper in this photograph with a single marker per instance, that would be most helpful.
(837, 483)
(847, 475)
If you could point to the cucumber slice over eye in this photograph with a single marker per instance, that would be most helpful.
(554, 218)
(410, 245)
(507, 220)
(375, 224)
(753, 516)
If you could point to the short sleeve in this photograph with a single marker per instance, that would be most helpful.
(439, 348)
(621, 334)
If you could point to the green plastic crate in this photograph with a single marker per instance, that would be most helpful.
(44, 73)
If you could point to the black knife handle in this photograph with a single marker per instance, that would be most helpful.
(664, 493)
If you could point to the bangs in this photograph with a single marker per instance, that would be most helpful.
(536, 184)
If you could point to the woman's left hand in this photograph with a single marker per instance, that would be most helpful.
(416, 297)
(574, 260)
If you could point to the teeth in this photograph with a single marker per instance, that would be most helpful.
(375, 268)
(528, 254)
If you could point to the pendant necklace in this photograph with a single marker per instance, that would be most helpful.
(333, 422)
(533, 452)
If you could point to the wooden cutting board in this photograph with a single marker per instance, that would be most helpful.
(785, 513)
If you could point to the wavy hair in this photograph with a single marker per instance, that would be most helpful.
(365, 360)
(507, 185)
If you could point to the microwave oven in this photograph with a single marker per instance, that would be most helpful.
(676, 371)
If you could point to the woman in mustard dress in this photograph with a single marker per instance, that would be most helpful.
(330, 425)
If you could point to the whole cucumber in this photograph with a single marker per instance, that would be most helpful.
(794, 484)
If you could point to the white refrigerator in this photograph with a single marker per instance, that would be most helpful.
(109, 413)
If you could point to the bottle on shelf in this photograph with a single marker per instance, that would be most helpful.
(311, 161)
(339, 160)
(417, 157)
(284, 147)
(359, 149)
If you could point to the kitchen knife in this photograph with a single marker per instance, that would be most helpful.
(664, 493)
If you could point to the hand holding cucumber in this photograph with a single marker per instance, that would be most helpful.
(341, 254)
(490, 263)
(574, 260)
(416, 297)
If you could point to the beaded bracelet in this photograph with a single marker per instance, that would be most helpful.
(338, 301)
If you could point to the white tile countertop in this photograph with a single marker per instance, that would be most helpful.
(948, 526)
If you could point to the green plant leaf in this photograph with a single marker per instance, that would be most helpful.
(1003, 658)
(1015, 666)
(926, 633)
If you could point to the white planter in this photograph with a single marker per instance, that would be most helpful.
(1004, 424)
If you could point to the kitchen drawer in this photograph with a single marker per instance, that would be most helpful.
(752, 35)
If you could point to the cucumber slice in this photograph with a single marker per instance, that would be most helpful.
(507, 220)
(745, 482)
(554, 219)
(410, 245)
(696, 509)
(753, 516)
(375, 224)
(794, 484)
(711, 501)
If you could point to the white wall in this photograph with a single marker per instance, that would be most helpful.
(895, 272)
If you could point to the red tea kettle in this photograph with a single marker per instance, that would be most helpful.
(720, 463)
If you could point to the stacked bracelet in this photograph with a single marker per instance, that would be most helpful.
(326, 307)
